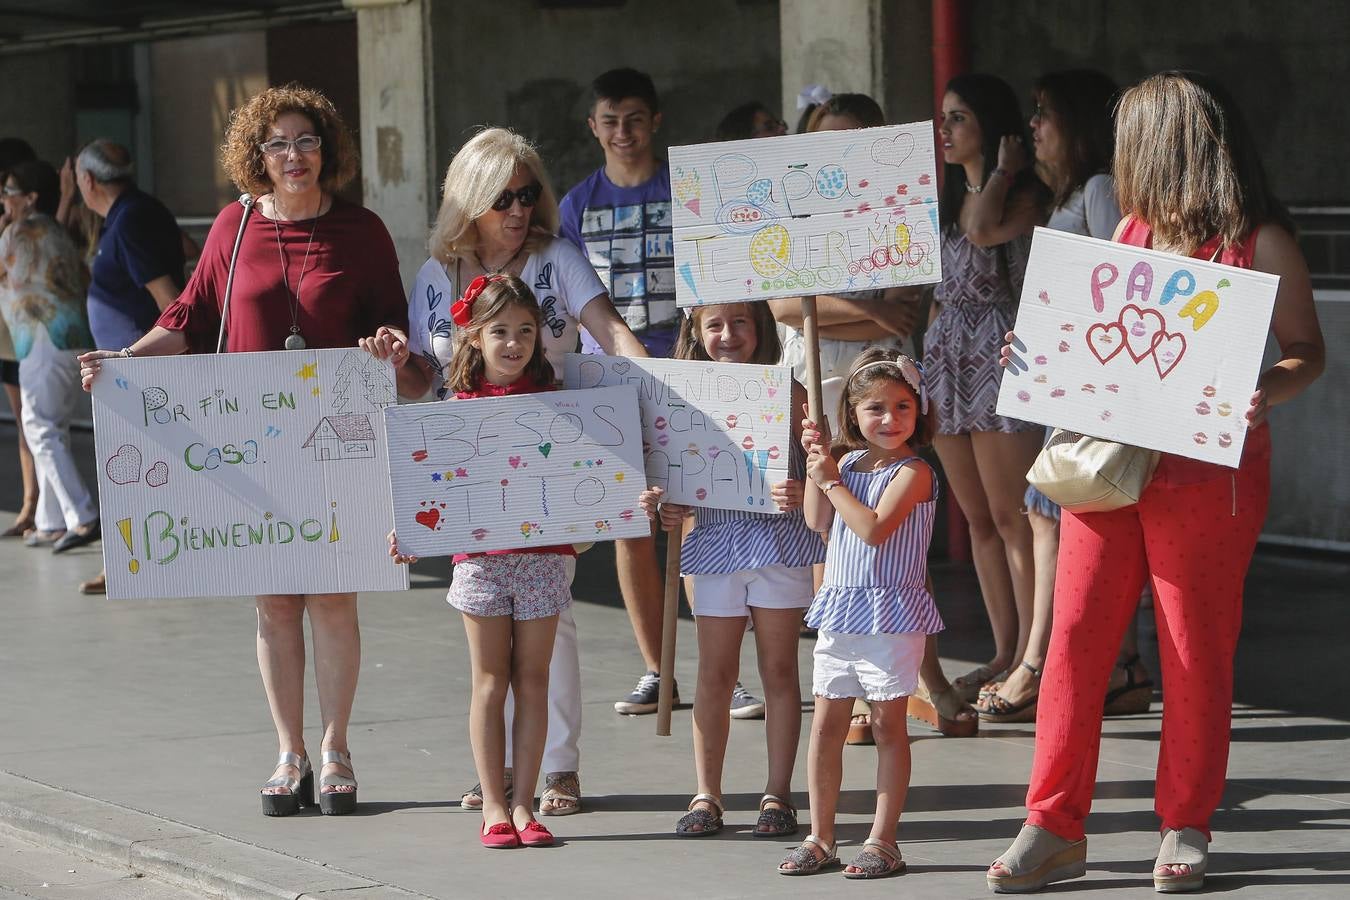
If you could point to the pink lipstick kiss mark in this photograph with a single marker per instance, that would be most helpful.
(1044, 297)
(1057, 392)
(514, 461)
(663, 439)
(748, 443)
(1063, 346)
(419, 455)
(864, 207)
(774, 452)
(901, 190)
(1224, 408)
(1208, 391)
(1225, 439)
(925, 178)
(1106, 341)
(1168, 349)
(1041, 360)
(1024, 396)
(1113, 388)
(479, 533)
(914, 201)
(660, 422)
(1067, 327)
(772, 392)
(700, 494)
(731, 420)
(862, 183)
(1202, 408)
(1089, 389)
(889, 200)
(626, 515)
(1106, 415)
(1201, 438)
(1141, 326)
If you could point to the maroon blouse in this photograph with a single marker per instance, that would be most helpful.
(351, 284)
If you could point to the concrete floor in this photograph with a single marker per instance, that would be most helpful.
(139, 729)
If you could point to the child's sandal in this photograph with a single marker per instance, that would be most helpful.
(776, 821)
(804, 859)
(878, 859)
(708, 821)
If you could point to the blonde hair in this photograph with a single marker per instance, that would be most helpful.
(249, 126)
(466, 363)
(475, 179)
(1186, 165)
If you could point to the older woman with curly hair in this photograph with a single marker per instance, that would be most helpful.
(316, 271)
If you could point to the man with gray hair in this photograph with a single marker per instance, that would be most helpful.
(138, 269)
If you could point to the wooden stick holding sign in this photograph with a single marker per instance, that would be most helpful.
(670, 615)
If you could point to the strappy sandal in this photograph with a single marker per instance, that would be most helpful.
(709, 821)
(472, 799)
(968, 686)
(804, 859)
(945, 711)
(299, 787)
(1037, 858)
(860, 725)
(780, 820)
(878, 859)
(337, 803)
(996, 708)
(1187, 847)
(560, 787)
(1131, 698)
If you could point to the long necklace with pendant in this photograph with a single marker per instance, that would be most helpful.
(293, 340)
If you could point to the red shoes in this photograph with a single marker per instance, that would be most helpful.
(505, 836)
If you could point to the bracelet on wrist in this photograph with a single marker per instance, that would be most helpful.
(1001, 171)
(126, 351)
(830, 485)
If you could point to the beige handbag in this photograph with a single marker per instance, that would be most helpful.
(1088, 474)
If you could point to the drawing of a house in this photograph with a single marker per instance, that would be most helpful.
(342, 437)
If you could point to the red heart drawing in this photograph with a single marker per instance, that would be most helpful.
(1142, 327)
(419, 455)
(1167, 352)
(514, 461)
(1106, 340)
(428, 518)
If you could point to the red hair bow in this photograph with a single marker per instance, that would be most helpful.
(461, 311)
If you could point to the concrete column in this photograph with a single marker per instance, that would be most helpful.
(397, 177)
(876, 47)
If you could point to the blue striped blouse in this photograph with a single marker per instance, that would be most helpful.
(877, 590)
(732, 540)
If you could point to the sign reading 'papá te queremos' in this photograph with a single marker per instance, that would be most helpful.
(505, 473)
(713, 434)
(1138, 346)
(244, 473)
(829, 212)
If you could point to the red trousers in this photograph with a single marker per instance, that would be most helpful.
(1195, 540)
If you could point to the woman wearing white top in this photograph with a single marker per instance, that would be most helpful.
(499, 214)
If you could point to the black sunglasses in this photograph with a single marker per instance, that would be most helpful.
(528, 197)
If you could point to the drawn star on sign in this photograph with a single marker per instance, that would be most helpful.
(307, 371)
(315, 392)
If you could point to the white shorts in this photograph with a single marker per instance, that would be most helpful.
(768, 587)
(871, 666)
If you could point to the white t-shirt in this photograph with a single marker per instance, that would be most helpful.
(1091, 210)
(560, 277)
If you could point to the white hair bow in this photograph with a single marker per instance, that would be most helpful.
(813, 94)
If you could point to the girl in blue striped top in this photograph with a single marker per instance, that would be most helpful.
(744, 565)
(873, 611)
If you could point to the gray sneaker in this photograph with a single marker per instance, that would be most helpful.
(745, 705)
(644, 697)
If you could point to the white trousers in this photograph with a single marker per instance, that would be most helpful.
(562, 752)
(49, 384)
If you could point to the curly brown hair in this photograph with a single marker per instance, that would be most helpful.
(243, 161)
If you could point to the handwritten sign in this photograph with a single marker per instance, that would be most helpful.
(713, 434)
(832, 211)
(502, 473)
(244, 473)
(1137, 346)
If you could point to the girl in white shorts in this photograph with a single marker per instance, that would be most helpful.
(744, 564)
(873, 611)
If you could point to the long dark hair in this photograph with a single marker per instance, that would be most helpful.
(998, 113)
(1082, 102)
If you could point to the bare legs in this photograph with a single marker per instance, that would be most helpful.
(281, 661)
(643, 594)
(30, 485)
(1020, 684)
(510, 653)
(987, 473)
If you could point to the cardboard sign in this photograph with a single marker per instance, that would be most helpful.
(713, 434)
(244, 473)
(829, 212)
(1133, 345)
(502, 473)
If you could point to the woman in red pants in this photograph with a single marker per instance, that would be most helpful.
(1190, 183)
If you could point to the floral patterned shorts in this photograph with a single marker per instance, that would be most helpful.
(519, 585)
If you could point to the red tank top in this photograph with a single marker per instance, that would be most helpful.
(1180, 469)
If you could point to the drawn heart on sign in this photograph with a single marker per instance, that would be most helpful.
(1167, 352)
(1142, 328)
(893, 151)
(546, 449)
(158, 474)
(514, 461)
(124, 466)
(428, 518)
(1106, 341)
(621, 367)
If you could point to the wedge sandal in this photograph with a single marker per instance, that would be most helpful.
(1035, 859)
(780, 820)
(1187, 847)
(878, 859)
(1131, 698)
(945, 711)
(996, 708)
(804, 859)
(708, 821)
